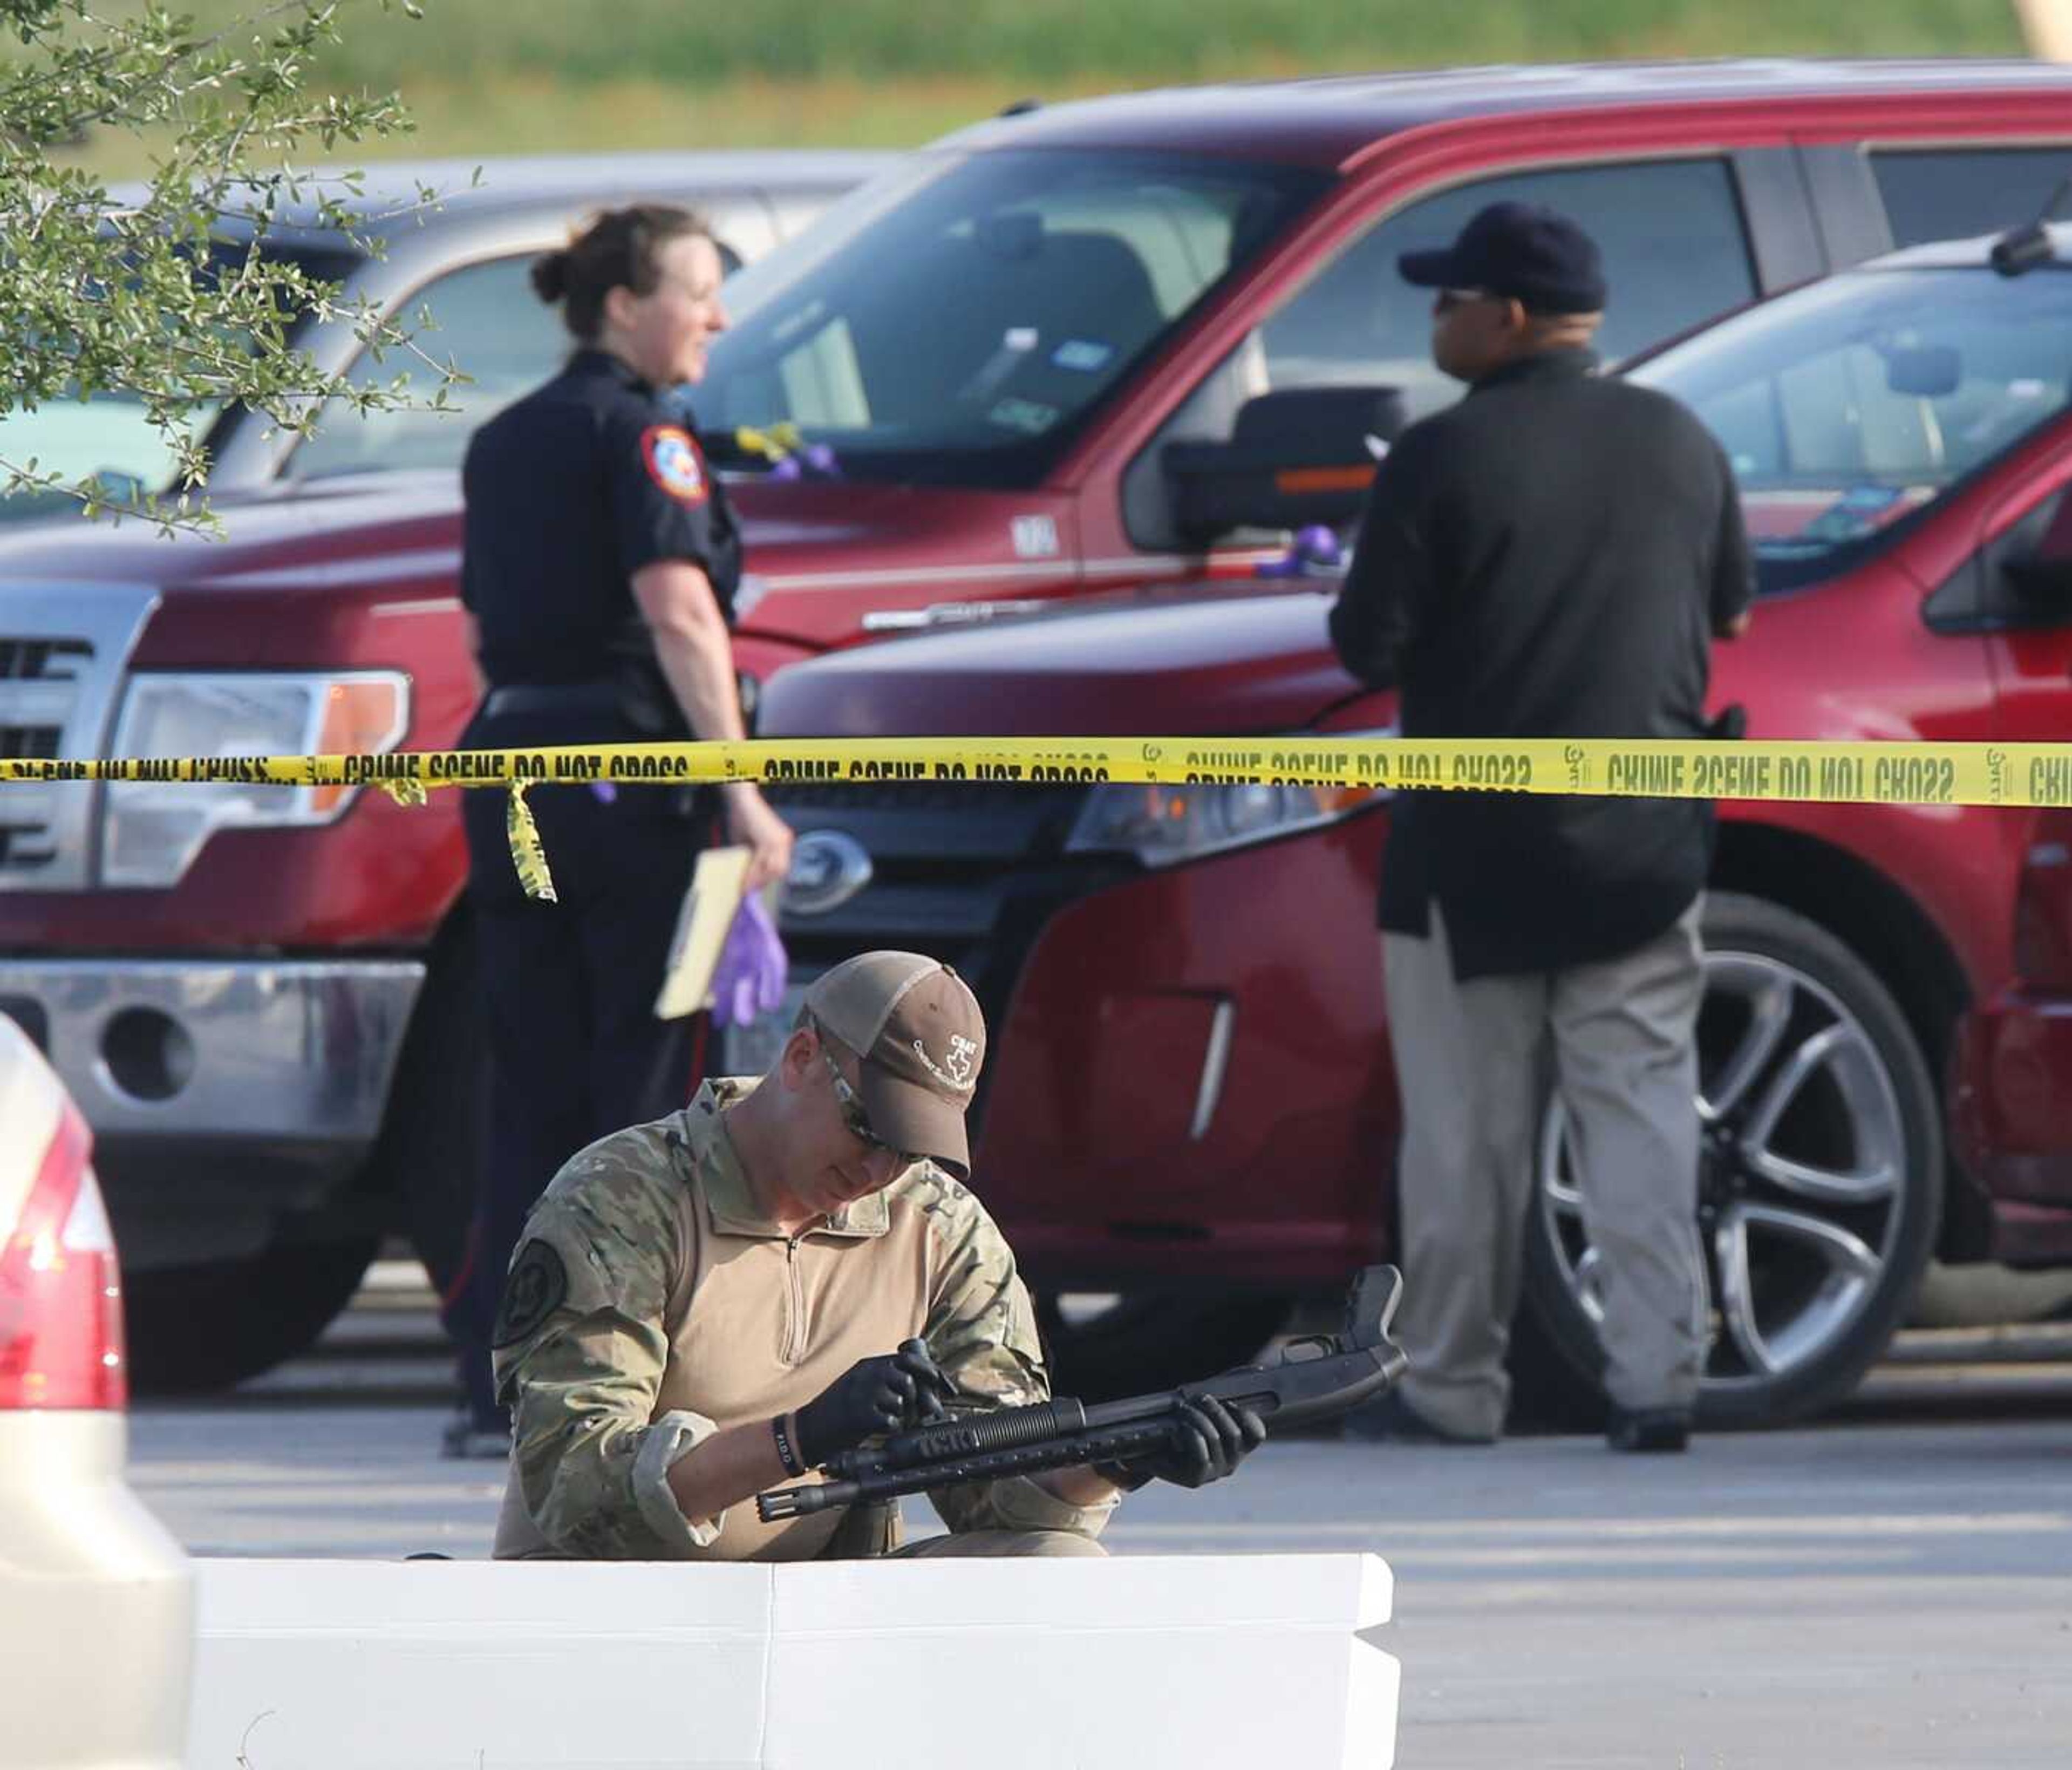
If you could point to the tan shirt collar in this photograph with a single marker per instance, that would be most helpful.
(712, 1167)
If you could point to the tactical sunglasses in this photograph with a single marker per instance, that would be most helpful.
(855, 1118)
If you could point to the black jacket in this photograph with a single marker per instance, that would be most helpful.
(1550, 558)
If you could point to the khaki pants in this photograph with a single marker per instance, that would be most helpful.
(1473, 1061)
(1051, 1544)
(871, 1532)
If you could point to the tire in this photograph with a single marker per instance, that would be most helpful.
(194, 1330)
(1822, 1177)
(1140, 1342)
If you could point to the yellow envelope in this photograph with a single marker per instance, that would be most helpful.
(718, 885)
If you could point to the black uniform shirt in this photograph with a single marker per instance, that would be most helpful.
(570, 490)
(1550, 558)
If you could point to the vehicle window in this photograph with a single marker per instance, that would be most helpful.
(485, 317)
(1675, 252)
(1957, 193)
(991, 304)
(109, 437)
(1853, 404)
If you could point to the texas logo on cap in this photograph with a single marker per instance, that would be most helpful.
(673, 463)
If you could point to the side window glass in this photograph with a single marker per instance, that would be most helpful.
(2027, 568)
(487, 318)
(1675, 252)
(1957, 193)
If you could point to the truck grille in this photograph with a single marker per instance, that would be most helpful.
(966, 874)
(62, 656)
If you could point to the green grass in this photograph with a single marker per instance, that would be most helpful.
(493, 77)
(682, 42)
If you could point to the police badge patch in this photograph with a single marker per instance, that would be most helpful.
(537, 1286)
(673, 463)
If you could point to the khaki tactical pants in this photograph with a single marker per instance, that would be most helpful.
(871, 1532)
(1473, 1062)
(1051, 1544)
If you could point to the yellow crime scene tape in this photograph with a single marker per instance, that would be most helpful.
(1828, 773)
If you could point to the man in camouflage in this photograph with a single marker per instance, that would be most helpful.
(701, 1308)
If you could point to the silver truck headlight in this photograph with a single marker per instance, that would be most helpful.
(152, 831)
(1163, 826)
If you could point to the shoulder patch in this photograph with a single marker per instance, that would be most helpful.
(675, 462)
(537, 1286)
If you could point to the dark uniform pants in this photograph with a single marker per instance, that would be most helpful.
(568, 991)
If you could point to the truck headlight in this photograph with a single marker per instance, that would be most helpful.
(153, 830)
(1163, 826)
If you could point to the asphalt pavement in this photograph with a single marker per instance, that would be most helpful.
(1890, 1588)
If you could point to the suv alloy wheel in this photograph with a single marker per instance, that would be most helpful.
(1820, 1180)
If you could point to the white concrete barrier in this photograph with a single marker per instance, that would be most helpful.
(1190, 1662)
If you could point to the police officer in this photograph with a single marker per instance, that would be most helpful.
(709, 1307)
(1550, 558)
(599, 564)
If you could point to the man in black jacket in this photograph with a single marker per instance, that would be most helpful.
(1550, 557)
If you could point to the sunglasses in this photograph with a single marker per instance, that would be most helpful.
(1448, 300)
(855, 1118)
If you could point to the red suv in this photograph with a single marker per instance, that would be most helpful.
(1111, 343)
(1189, 1089)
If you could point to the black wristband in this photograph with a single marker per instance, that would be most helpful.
(785, 1454)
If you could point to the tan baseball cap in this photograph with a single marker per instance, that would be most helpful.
(918, 1028)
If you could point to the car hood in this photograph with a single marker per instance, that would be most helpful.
(821, 556)
(300, 535)
(1185, 660)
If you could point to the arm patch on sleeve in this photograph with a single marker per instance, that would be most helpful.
(674, 462)
(537, 1286)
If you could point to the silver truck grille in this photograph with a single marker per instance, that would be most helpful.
(62, 651)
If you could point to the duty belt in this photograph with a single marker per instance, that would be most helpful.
(516, 698)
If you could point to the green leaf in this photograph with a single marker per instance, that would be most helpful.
(164, 304)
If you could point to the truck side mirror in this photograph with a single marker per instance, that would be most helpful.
(1294, 457)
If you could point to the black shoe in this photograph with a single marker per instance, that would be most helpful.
(1389, 1419)
(1648, 1429)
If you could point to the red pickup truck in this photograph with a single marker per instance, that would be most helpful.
(1112, 344)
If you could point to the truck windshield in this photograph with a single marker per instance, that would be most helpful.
(106, 437)
(1850, 407)
(958, 324)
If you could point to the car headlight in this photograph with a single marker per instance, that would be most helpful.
(1163, 826)
(153, 830)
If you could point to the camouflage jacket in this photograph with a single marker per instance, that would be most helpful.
(649, 1305)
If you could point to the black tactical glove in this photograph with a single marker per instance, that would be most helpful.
(891, 1394)
(1210, 1440)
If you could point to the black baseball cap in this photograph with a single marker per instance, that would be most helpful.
(1533, 253)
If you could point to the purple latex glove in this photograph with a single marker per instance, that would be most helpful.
(1315, 548)
(749, 980)
(815, 461)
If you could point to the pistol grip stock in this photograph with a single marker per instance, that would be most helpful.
(1376, 1295)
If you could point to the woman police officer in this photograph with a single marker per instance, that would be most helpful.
(599, 570)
